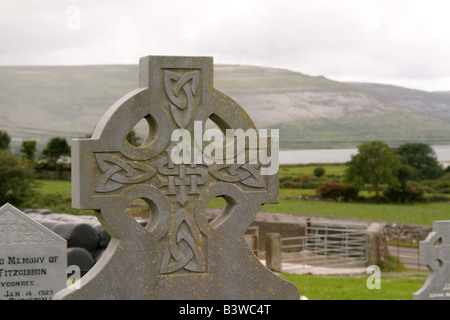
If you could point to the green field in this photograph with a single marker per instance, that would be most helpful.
(399, 286)
(58, 191)
(331, 170)
(54, 195)
(48, 187)
(422, 213)
(419, 213)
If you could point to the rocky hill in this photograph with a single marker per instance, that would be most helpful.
(311, 112)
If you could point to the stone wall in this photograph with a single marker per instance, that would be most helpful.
(407, 232)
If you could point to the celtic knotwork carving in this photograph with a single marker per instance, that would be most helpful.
(117, 172)
(181, 176)
(181, 109)
(243, 173)
(184, 243)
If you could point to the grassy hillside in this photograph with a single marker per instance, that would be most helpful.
(44, 102)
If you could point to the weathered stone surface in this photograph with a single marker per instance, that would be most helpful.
(33, 259)
(178, 254)
(376, 245)
(273, 251)
(435, 254)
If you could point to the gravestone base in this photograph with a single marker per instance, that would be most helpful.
(245, 278)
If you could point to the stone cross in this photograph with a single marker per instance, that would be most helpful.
(435, 254)
(179, 254)
(33, 259)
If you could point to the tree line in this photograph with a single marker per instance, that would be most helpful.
(388, 171)
(17, 173)
(54, 149)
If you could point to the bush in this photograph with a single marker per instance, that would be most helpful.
(445, 191)
(319, 171)
(436, 184)
(16, 179)
(422, 158)
(415, 193)
(301, 182)
(331, 190)
(408, 194)
(350, 193)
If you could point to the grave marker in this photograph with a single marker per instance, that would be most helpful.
(435, 254)
(33, 259)
(178, 254)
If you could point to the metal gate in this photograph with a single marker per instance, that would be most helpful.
(328, 243)
(405, 251)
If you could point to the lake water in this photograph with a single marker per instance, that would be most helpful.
(342, 155)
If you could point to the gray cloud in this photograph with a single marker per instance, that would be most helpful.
(403, 42)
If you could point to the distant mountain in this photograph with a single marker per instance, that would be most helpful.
(433, 103)
(311, 112)
(318, 112)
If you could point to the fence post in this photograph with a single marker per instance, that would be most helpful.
(375, 253)
(273, 251)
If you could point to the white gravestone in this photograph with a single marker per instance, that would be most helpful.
(33, 259)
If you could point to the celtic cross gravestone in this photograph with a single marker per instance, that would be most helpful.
(435, 254)
(179, 254)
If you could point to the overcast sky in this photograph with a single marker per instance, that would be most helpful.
(399, 42)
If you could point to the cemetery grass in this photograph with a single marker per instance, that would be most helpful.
(394, 286)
